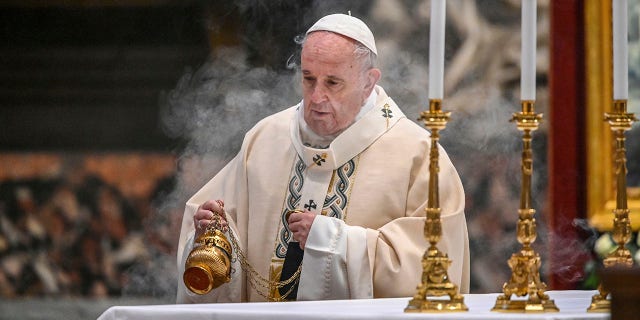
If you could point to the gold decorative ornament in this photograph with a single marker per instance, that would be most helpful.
(435, 279)
(525, 265)
(619, 121)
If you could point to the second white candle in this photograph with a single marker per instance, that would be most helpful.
(436, 49)
(620, 50)
(528, 53)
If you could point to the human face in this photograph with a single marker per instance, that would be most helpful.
(334, 83)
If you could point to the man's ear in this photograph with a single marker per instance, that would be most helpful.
(373, 75)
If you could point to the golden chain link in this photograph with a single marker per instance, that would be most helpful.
(216, 225)
(255, 279)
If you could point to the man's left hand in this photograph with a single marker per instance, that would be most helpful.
(300, 225)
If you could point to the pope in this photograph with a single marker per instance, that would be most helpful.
(326, 199)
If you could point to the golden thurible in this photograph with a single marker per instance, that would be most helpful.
(208, 265)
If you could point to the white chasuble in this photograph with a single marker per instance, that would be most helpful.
(369, 189)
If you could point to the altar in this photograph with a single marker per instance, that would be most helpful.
(572, 304)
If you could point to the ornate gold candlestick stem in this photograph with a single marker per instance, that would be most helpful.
(619, 121)
(435, 279)
(525, 265)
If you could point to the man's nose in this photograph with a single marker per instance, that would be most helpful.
(318, 94)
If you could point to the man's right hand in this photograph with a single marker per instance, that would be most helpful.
(210, 213)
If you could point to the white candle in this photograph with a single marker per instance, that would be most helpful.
(528, 51)
(620, 47)
(436, 49)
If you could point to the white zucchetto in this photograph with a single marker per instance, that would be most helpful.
(347, 26)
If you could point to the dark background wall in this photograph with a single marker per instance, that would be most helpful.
(78, 75)
(78, 78)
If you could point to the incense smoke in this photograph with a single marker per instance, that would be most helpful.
(213, 106)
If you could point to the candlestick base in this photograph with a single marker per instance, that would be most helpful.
(435, 283)
(525, 280)
(599, 302)
(504, 304)
(433, 305)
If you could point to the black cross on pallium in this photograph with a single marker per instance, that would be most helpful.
(318, 159)
(386, 112)
(311, 205)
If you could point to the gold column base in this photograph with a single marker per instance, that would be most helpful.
(621, 257)
(436, 283)
(434, 305)
(599, 302)
(525, 281)
(533, 305)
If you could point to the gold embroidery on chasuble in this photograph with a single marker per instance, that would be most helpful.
(335, 205)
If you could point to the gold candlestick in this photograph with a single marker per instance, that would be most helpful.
(619, 121)
(525, 265)
(435, 279)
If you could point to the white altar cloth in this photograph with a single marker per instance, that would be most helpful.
(572, 304)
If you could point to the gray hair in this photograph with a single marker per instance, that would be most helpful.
(365, 55)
